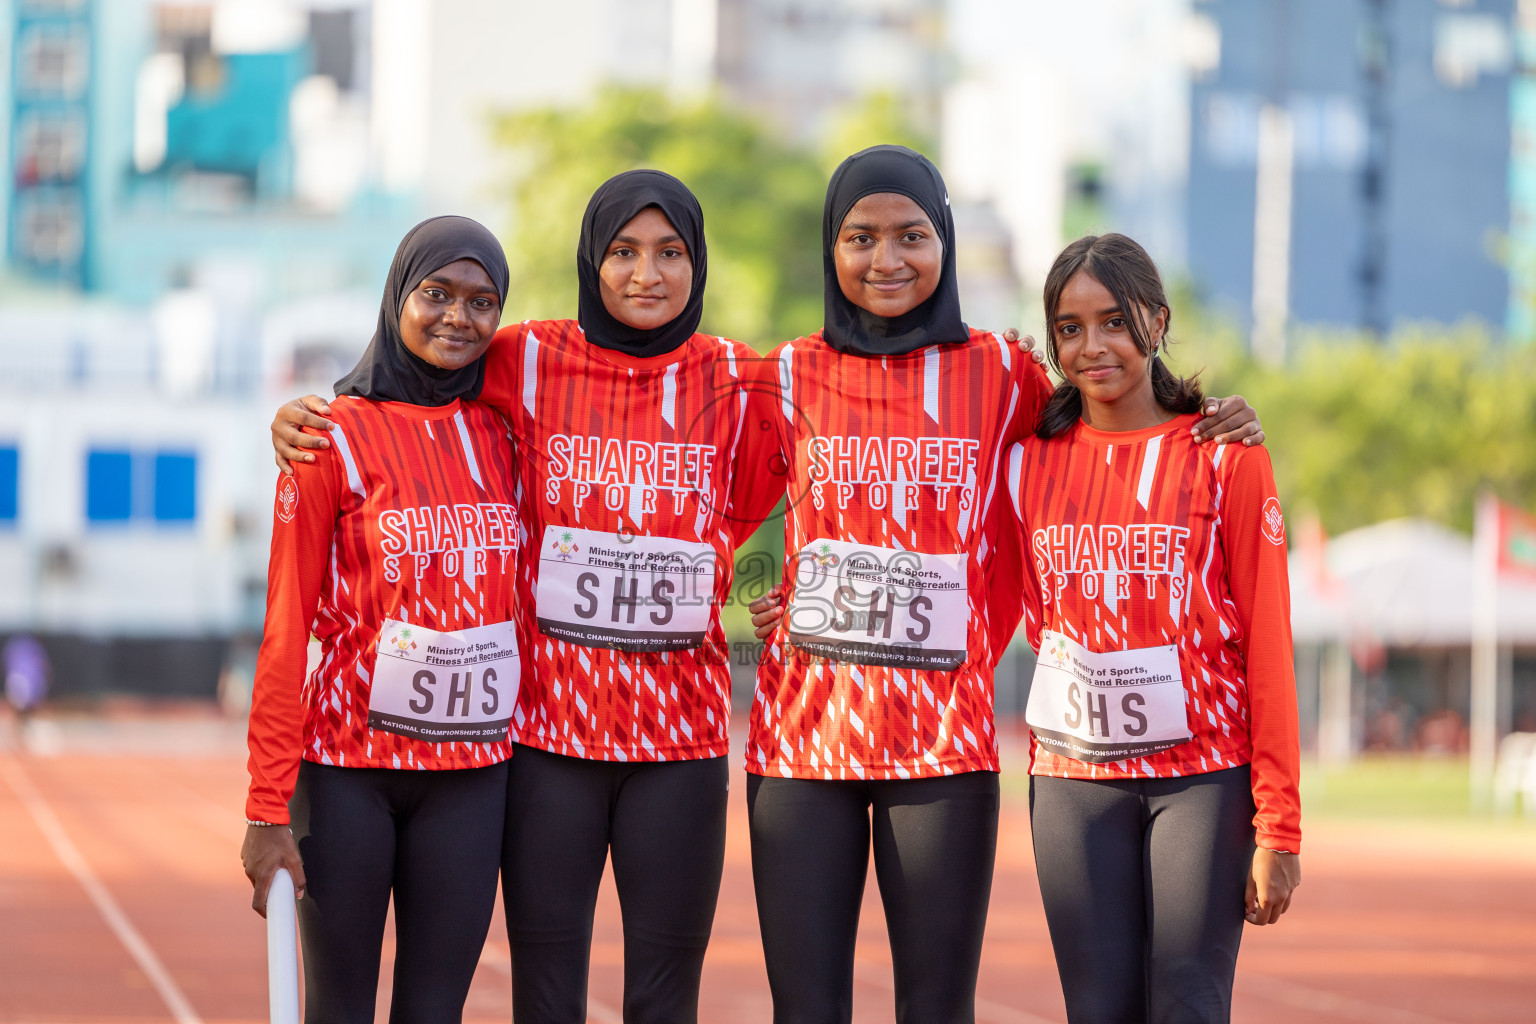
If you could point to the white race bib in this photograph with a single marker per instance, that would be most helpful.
(457, 686)
(639, 594)
(879, 606)
(1106, 707)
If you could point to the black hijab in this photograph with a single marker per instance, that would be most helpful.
(390, 372)
(851, 328)
(617, 202)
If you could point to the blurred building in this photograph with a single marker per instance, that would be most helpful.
(1521, 323)
(199, 200)
(198, 210)
(1391, 154)
(472, 59)
(148, 140)
(49, 116)
(1069, 119)
(799, 61)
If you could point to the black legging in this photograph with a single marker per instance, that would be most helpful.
(934, 841)
(665, 824)
(430, 837)
(1143, 882)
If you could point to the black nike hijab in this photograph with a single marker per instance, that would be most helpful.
(617, 202)
(851, 328)
(390, 372)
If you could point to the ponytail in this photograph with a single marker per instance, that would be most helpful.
(1176, 394)
(1062, 409)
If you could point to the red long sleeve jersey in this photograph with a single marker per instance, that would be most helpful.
(1141, 539)
(641, 477)
(410, 517)
(884, 666)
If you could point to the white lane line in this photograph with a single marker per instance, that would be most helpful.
(71, 858)
(498, 957)
(1316, 1000)
(986, 1009)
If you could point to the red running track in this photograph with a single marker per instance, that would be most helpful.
(122, 901)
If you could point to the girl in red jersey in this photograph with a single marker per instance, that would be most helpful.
(640, 453)
(872, 721)
(396, 548)
(872, 724)
(1163, 707)
(642, 468)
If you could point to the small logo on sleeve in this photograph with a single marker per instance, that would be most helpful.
(287, 500)
(1274, 522)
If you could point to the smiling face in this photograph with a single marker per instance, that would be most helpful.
(1098, 352)
(888, 255)
(647, 273)
(450, 317)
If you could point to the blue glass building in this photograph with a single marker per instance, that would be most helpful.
(1401, 109)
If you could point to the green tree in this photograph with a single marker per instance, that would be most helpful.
(1361, 431)
(876, 119)
(761, 200)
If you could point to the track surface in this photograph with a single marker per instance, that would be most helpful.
(122, 901)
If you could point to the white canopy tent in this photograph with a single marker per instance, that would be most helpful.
(1405, 583)
(1402, 583)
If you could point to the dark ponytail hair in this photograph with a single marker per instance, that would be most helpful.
(1128, 273)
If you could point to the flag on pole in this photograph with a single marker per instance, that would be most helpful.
(1516, 542)
(1312, 547)
(1503, 545)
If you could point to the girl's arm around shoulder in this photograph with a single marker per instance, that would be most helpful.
(759, 471)
(304, 513)
(1026, 579)
(1034, 384)
(1037, 381)
(1254, 541)
(503, 369)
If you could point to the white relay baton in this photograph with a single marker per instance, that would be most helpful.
(282, 950)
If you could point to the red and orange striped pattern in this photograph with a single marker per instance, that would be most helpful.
(409, 515)
(562, 395)
(855, 430)
(1209, 576)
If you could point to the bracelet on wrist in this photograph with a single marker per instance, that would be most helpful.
(260, 824)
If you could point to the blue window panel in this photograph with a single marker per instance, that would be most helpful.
(9, 464)
(108, 486)
(175, 487)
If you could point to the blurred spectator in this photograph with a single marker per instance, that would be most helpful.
(1388, 728)
(1441, 732)
(234, 692)
(26, 673)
